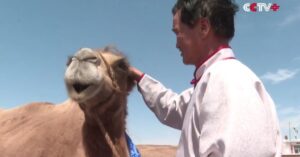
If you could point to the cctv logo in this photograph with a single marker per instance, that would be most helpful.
(260, 7)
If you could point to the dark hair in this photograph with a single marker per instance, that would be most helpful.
(220, 14)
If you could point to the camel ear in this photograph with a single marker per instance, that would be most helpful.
(122, 67)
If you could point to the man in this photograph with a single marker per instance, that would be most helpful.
(228, 112)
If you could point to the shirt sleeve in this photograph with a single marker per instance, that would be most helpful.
(168, 106)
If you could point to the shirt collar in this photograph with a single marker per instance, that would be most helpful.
(222, 53)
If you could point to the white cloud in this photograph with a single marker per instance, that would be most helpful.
(292, 18)
(280, 75)
(289, 111)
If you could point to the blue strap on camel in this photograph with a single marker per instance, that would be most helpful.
(133, 151)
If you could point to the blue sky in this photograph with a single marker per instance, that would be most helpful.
(36, 37)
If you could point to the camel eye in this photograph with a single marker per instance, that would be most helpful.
(122, 65)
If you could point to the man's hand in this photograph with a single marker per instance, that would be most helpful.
(136, 73)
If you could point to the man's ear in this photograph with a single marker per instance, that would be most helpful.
(203, 27)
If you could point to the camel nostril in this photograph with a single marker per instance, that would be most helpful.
(80, 87)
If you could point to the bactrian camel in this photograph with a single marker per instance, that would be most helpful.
(92, 123)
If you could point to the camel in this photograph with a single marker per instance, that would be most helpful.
(100, 83)
(91, 123)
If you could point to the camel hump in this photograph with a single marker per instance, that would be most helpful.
(54, 129)
(37, 106)
(10, 118)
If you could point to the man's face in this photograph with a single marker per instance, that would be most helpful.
(187, 40)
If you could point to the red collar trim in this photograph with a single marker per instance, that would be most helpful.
(209, 56)
(195, 80)
(213, 53)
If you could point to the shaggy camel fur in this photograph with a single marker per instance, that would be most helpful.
(98, 83)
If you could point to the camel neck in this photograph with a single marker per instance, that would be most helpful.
(113, 121)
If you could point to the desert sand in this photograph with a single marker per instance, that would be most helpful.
(157, 150)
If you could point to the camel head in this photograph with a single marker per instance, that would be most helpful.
(93, 76)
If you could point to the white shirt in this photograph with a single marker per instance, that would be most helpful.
(228, 114)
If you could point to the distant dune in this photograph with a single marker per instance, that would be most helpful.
(157, 150)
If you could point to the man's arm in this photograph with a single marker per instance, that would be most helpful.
(168, 106)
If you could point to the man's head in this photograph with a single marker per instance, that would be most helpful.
(219, 13)
(200, 24)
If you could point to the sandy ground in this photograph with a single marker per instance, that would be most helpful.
(157, 150)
